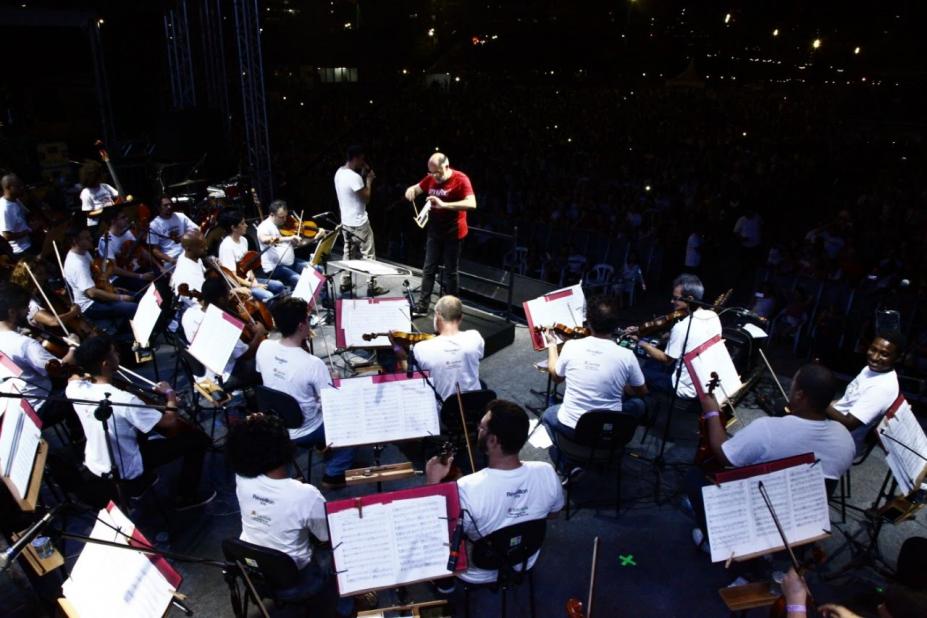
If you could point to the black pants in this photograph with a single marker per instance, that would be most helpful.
(191, 446)
(441, 249)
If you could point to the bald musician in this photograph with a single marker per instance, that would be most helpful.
(450, 196)
(189, 268)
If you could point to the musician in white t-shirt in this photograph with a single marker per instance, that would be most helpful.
(189, 269)
(278, 260)
(279, 512)
(166, 230)
(285, 365)
(232, 250)
(353, 186)
(453, 357)
(599, 374)
(134, 453)
(806, 429)
(13, 225)
(704, 325)
(96, 195)
(507, 491)
(872, 391)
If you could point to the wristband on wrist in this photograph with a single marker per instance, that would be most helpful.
(799, 609)
(171, 408)
(710, 414)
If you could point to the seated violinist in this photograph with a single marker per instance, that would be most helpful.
(39, 315)
(233, 249)
(95, 194)
(136, 455)
(95, 302)
(278, 261)
(239, 372)
(806, 430)
(287, 366)
(27, 353)
(166, 230)
(599, 374)
(692, 331)
(453, 357)
(111, 247)
(507, 491)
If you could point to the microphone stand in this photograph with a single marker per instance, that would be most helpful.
(103, 413)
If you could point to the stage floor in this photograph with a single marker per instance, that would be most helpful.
(667, 576)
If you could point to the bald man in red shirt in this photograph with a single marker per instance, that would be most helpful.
(449, 197)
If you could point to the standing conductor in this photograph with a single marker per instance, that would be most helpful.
(450, 196)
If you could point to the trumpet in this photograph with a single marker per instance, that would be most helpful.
(421, 216)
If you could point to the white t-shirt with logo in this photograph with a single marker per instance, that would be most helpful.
(596, 371)
(230, 252)
(770, 438)
(31, 357)
(496, 498)
(78, 276)
(161, 230)
(280, 514)
(13, 219)
(867, 399)
(280, 254)
(452, 360)
(122, 427)
(352, 206)
(705, 325)
(297, 373)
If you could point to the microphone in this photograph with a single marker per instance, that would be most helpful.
(10, 553)
(455, 544)
(746, 313)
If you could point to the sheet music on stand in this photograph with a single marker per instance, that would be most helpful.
(908, 469)
(356, 317)
(713, 356)
(109, 581)
(739, 524)
(20, 437)
(146, 316)
(378, 409)
(214, 341)
(393, 538)
(310, 285)
(564, 306)
(8, 371)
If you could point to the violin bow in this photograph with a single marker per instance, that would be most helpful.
(773, 374)
(595, 559)
(47, 302)
(241, 305)
(463, 424)
(61, 267)
(775, 518)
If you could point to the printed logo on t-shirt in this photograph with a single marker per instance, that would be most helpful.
(517, 493)
(264, 520)
(262, 499)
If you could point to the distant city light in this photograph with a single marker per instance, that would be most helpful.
(347, 25)
(457, 79)
(646, 187)
(744, 134)
(856, 51)
(775, 32)
(816, 43)
(431, 32)
(727, 18)
(405, 72)
(99, 21)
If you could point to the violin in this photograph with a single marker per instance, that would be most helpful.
(704, 458)
(248, 263)
(303, 229)
(56, 346)
(399, 337)
(564, 331)
(102, 269)
(447, 451)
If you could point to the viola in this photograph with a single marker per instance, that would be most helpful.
(56, 346)
(400, 338)
(703, 454)
(249, 262)
(102, 269)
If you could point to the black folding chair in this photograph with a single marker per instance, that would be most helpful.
(600, 438)
(507, 551)
(284, 406)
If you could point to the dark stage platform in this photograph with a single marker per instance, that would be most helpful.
(497, 332)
